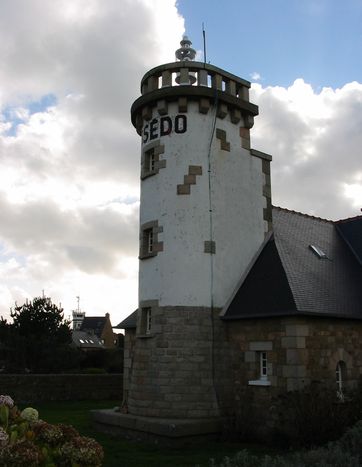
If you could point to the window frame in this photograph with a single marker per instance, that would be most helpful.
(148, 240)
(145, 323)
(148, 320)
(150, 160)
(150, 245)
(340, 379)
(262, 367)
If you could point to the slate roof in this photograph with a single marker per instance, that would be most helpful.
(288, 278)
(351, 232)
(129, 322)
(85, 340)
(94, 324)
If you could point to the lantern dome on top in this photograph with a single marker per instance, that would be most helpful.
(185, 52)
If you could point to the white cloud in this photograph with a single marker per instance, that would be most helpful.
(315, 140)
(69, 172)
(255, 76)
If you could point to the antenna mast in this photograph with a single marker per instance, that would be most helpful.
(204, 36)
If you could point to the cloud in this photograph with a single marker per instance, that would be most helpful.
(69, 156)
(315, 140)
(90, 239)
(255, 76)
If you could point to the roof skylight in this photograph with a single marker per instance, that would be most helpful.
(318, 252)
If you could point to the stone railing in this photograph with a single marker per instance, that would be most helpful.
(184, 81)
(195, 74)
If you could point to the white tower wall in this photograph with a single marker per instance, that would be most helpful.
(181, 273)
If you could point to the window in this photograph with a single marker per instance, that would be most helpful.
(318, 252)
(151, 163)
(148, 241)
(146, 321)
(340, 379)
(150, 160)
(260, 360)
(263, 366)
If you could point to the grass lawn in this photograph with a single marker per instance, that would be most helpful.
(120, 453)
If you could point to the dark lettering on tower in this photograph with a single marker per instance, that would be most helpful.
(163, 126)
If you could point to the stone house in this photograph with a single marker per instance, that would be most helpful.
(294, 318)
(98, 326)
(238, 300)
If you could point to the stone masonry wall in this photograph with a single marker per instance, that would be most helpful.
(172, 371)
(129, 344)
(35, 388)
(299, 351)
(331, 341)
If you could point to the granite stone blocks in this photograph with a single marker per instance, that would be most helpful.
(179, 380)
(221, 135)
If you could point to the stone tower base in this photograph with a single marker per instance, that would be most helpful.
(162, 431)
(172, 368)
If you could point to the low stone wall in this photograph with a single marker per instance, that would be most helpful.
(36, 388)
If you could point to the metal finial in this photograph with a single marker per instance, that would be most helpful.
(185, 52)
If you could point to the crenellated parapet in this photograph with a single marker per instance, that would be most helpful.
(195, 81)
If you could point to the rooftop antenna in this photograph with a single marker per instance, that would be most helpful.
(204, 37)
(78, 300)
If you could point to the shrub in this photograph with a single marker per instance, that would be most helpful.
(27, 441)
(333, 457)
(21, 454)
(351, 441)
(110, 360)
(314, 416)
(346, 452)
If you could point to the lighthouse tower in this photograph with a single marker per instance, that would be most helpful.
(205, 211)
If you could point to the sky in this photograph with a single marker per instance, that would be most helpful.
(70, 158)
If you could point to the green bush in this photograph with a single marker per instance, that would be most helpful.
(333, 456)
(351, 441)
(111, 360)
(346, 452)
(315, 416)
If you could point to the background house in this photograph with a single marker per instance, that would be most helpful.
(87, 341)
(98, 326)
